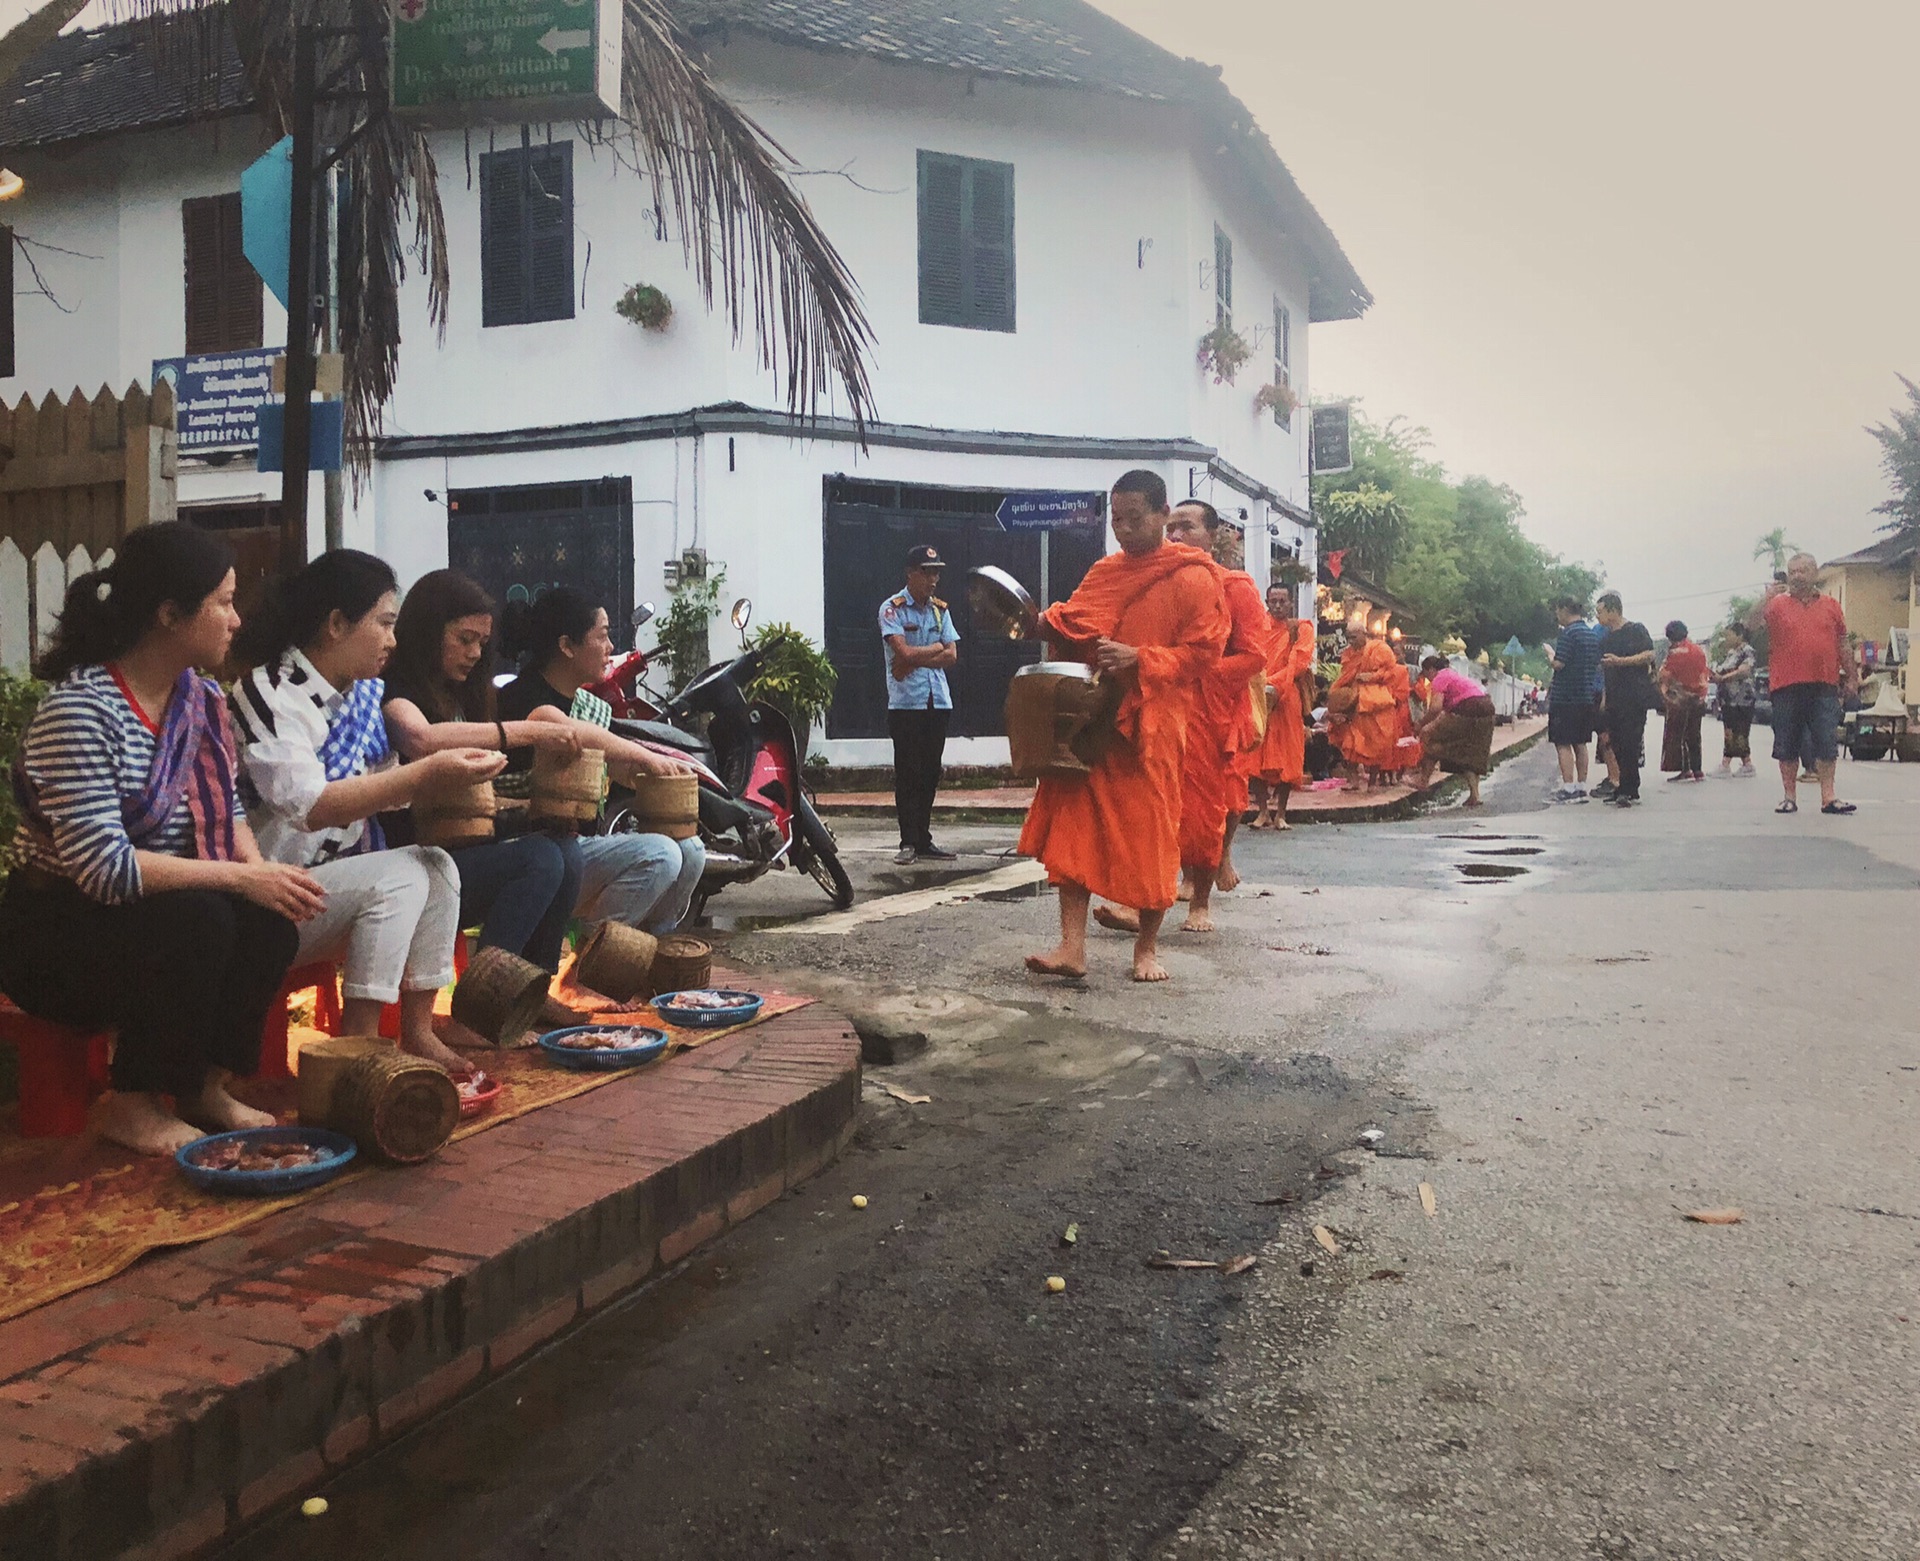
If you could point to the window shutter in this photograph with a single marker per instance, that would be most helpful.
(942, 240)
(503, 247)
(223, 292)
(242, 322)
(550, 232)
(526, 235)
(1222, 277)
(7, 369)
(990, 247)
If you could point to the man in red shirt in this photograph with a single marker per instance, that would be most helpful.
(1809, 669)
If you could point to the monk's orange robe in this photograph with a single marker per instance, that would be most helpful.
(1221, 728)
(1281, 758)
(1117, 831)
(1367, 736)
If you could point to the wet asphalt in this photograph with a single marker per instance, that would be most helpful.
(1573, 1024)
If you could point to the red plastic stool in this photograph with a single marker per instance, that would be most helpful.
(61, 1070)
(324, 978)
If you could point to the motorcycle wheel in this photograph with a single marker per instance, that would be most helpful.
(822, 859)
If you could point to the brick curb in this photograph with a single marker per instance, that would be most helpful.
(158, 1414)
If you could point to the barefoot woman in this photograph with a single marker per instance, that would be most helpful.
(1153, 617)
(140, 901)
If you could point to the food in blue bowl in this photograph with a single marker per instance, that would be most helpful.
(269, 1161)
(602, 1047)
(708, 1008)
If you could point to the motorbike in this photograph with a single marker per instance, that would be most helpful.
(755, 813)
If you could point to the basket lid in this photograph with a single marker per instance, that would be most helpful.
(1079, 671)
(1001, 605)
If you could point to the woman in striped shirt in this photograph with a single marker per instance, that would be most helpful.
(139, 900)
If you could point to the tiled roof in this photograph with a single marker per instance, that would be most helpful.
(1891, 551)
(86, 84)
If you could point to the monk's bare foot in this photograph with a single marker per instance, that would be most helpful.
(1055, 963)
(1259, 822)
(139, 1123)
(1226, 880)
(1199, 919)
(430, 1048)
(218, 1112)
(1115, 920)
(1186, 890)
(1147, 967)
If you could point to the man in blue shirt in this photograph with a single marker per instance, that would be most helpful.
(918, 632)
(1570, 698)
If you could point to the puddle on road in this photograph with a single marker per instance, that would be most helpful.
(1480, 838)
(1025, 891)
(1488, 870)
(1511, 851)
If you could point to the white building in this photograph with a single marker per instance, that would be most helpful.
(1113, 201)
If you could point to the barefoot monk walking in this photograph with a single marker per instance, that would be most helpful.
(1153, 618)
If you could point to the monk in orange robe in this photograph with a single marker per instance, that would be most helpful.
(1366, 733)
(1152, 615)
(1280, 762)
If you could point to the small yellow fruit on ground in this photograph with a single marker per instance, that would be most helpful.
(859, 1200)
(1056, 1284)
(313, 1507)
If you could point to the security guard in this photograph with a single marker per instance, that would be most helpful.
(920, 639)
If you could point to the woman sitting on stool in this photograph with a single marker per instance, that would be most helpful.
(318, 772)
(139, 899)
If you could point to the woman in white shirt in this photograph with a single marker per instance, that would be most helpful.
(315, 772)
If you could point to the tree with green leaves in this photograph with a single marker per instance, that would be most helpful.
(1899, 440)
(1775, 547)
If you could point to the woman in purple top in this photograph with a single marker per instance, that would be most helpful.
(1457, 734)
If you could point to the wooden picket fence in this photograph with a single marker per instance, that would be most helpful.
(79, 475)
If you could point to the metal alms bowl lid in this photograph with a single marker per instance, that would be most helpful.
(1000, 603)
(1077, 670)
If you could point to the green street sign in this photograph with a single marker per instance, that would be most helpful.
(479, 62)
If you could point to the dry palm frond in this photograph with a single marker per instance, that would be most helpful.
(743, 225)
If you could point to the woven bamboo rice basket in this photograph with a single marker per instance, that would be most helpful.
(321, 1065)
(617, 960)
(569, 789)
(682, 964)
(666, 804)
(397, 1108)
(456, 818)
(500, 996)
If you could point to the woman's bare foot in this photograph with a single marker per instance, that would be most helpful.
(1055, 963)
(430, 1048)
(139, 1123)
(1199, 919)
(218, 1112)
(1147, 967)
(1117, 920)
(1259, 822)
(1227, 879)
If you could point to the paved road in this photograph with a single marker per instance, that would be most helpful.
(1694, 1004)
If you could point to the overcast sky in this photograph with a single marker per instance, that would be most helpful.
(1653, 265)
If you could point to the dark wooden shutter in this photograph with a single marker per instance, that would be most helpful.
(7, 369)
(526, 235)
(990, 246)
(550, 232)
(503, 239)
(1222, 277)
(223, 292)
(942, 240)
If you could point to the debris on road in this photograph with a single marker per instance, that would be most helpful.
(1427, 1200)
(1055, 1284)
(1070, 1235)
(1325, 1237)
(1395, 1274)
(1230, 1266)
(1373, 1137)
(1717, 1216)
(859, 1200)
(314, 1507)
(904, 1096)
(1238, 1265)
(1268, 1203)
(1624, 959)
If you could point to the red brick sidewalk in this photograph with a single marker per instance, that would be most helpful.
(1306, 807)
(172, 1406)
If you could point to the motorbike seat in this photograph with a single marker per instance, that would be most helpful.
(660, 732)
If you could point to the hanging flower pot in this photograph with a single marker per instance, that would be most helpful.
(1276, 398)
(1223, 351)
(646, 306)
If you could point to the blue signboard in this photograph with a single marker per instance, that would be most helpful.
(219, 395)
(326, 432)
(1051, 511)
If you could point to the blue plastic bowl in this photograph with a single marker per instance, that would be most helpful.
(588, 1059)
(710, 1018)
(340, 1150)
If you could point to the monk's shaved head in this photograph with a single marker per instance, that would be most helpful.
(1146, 484)
(1139, 512)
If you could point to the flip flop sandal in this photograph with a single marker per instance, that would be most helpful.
(1788, 806)
(1838, 807)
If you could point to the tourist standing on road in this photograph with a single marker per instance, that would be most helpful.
(1280, 762)
(1683, 687)
(1152, 617)
(1570, 697)
(1626, 662)
(1734, 673)
(1457, 731)
(1810, 672)
(921, 644)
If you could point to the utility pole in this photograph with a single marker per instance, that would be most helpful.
(298, 443)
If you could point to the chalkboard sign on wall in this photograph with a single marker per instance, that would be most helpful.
(1332, 439)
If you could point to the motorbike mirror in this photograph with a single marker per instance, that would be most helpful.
(643, 615)
(742, 613)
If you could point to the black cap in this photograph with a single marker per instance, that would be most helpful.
(925, 557)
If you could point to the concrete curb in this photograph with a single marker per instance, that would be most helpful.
(167, 1411)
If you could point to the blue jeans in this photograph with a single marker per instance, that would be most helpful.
(644, 881)
(521, 892)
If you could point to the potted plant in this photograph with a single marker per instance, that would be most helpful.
(1276, 398)
(646, 306)
(1222, 352)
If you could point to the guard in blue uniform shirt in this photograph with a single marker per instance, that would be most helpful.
(920, 641)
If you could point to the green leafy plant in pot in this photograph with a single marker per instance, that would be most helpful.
(1222, 353)
(646, 306)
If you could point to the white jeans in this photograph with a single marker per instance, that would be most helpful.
(390, 920)
(644, 881)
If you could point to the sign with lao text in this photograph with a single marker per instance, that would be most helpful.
(219, 395)
(476, 62)
(1051, 511)
(1332, 439)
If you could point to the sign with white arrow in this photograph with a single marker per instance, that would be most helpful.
(494, 62)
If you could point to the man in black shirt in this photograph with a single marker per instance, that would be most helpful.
(1626, 662)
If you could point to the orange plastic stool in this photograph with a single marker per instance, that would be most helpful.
(61, 1070)
(324, 978)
